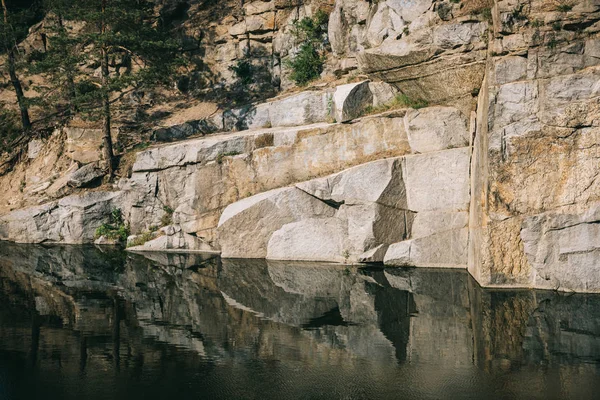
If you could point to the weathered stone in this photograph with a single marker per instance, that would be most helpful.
(245, 227)
(83, 145)
(71, 220)
(190, 128)
(169, 238)
(436, 128)
(438, 181)
(375, 182)
(427, 223)
(375, 255)
(34, 148)
(319, 239)
(301, 109)
(104, 241)
(258, 7)
(452, 35)
(86, 175)
(564, 249)
(383, 93)
(351, 100)
(60, 187)
(249, 117)
(441, 250)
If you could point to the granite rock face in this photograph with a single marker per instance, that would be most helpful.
(500, 174)
(535, 187)
(70, 220)
(416, 202)
(86, 175)
(429, 50)
(199, 178)
(245, 227)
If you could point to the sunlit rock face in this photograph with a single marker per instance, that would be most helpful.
(205, 309)
(489, 160)
(199, 178)
(435, 51)
(535, 188)
(71, 220)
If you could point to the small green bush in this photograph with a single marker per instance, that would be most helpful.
(167, 218)
(403, 100)
(311, 29)
(400, 101)
(141, 239)
(307, 64)
(116, 229)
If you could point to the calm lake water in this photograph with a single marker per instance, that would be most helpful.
(84, 323)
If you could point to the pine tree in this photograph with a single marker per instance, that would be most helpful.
(10, 31)
(60, 60)
(125, 29)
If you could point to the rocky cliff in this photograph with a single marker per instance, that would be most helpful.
(467, 136)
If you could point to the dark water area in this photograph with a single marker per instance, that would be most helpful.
(85, 323)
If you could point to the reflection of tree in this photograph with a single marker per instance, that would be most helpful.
(129, 313)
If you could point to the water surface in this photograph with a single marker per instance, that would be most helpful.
(85, 323)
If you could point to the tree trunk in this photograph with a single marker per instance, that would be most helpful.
(108, 145)
(14, 79)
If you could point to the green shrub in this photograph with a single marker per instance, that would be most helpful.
(141, 239)
(311, 29)
(307, 65)
(403, 100)
(400, 101)
(116, 229)
(167, 218)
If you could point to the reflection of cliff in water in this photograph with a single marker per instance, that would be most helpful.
(130, 311)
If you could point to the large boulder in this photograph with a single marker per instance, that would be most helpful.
(438, 181)
(420, 201)
(168, 238)
(437, 190)
(351, 100)
(245, 227)
(86, 176)
(314, 239)
(358, 209)
(71, 220)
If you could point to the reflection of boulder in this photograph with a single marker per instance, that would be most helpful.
(440, 330)
(316, 314)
